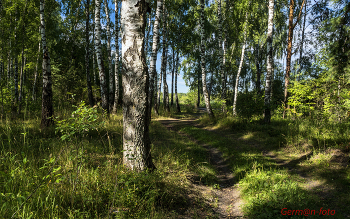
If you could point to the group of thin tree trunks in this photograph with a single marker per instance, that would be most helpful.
(139, 88)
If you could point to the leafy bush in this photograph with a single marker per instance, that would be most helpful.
(81, 121)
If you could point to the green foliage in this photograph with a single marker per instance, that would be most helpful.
(81, 121)
(250, 105)
(325, 97)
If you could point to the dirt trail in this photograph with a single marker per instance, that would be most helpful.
(226, 199)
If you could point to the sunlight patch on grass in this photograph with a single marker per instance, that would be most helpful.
(266, 192)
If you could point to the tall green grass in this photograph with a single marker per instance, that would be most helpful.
(84, 177)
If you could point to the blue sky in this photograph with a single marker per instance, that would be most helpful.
(181, 86)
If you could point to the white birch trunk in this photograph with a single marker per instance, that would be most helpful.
(16, 65)
(153, 72)
(176, 72)
(136, 142)
(87, 53)
(47, 108)
(269, 65)
(116, 64)
(103, 82)
(36, 73)
(159, 90)
(204, 84)
(221, 59)
(109, 55)
(172, 78)
(165, 60)
(240, 67)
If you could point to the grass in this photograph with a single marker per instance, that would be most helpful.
(88, 179)
(293, 164)
(288, 164)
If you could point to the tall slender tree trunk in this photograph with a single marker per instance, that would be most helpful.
(36, 73)
(291, 27)
(103, 82)
(204, 84)
(159, 91)
(21, 81)
(302, 44)
(23, 63)
(136, 141)
(165, 61)
(47, 108)
(172, 79)
(109, 55)
(148, 32)
(199, 89)
(93, 51)
(258, 70)
(176, 72)
(87, 53)
(8, 68)
(116, 63)
(240, 66)
(221, 60)
(153, 72)
(268, 88)
(16, 66)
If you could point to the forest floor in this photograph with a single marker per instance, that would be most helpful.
(227, 167)
(326, 188)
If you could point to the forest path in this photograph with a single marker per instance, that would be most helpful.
(226, 195)
(327, 183)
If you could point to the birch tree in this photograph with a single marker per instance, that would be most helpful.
(16, 64)
(204, 84)
(267, 100)
(221, 61)
(176, 72)
(172, 77)
(109, 55)
(116, 63)
(46, 107)
(136, 142)
(87, 54)
(240, 66)
(36, 72)
(153, 72)
(102, 75)
(165, 60)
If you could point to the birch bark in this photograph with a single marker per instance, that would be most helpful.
(103, 82)
(46, 108)
(109, 55)
(176, 72)
(165, 61)
(221, 59)
(153, 72)
(16, 65)
(240, 66)
(36, 73)
(87, 54)
(172, 78)
(116, 63)
(136, 142)
(204, 84)
(267, 100)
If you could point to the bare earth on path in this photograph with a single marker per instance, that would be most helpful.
(226, 197)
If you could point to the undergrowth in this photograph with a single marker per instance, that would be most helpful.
(76, 170)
